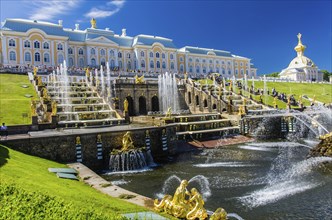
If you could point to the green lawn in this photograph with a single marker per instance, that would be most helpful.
(29, 191)
(13, 102)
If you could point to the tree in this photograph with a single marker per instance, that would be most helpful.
(326, 75)
(275, 74)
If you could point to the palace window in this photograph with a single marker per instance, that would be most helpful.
(223, 62)
(210, 61)
(190, 69)
(142, 53)
(241, 71)
(197, 69)
(151, 64)
(112, 63)
(46, 46)
(164, 65)
(236, 72)
(12, 56)
(80, 51)
(197, 61)
(172, 66)
(93, 62)
(190, 60)
(163, 55)
(181, 68)
(12, 43)
(157, 56)
(241, 64)
(235, 63)
(120, 55)
(204, 68)
(217, 62)
(71, 61)
(70, 50)
(204, 61)
(151, 54)
(81, 62)
(120, 64)
(27, 57)
(229, 71)
(36, 44)
(217, 70)
(181, 59)
(103, 62)
(37, 55)
(129, 65)
(60, 47)
(112, 53)
(247, 72)
(228, 63)
(158, 64)
(142, 64)
(171, 56)
(46, 58)
(128, 55)
(60, 58)
(27, 44)
(102, 52)
(92, 51)
(223, 71)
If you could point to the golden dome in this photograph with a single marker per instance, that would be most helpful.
(300, 47)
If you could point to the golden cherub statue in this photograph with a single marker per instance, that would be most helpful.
(127, 142)
(125, 105)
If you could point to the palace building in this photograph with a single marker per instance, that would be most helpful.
(36, 43)
(301, 68)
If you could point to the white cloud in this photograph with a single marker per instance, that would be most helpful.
(48, 10)
(110, 9)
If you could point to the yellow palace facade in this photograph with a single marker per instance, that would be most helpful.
(36, 43)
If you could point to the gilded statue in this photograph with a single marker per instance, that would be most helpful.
(168, 113)
(147, 133)
(127, 142)
(99, 138)
(78, 140)
(125, 105)
(139, 80)
(93, 23)
(187, 205)
(33, 107)
(54, 107)
(87, 73)
(275, 102)
(231, 86)
(35, 70)
(39, 81)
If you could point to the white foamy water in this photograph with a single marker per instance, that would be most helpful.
(129, 172)
(119, 182)
(224, 164)
(256, 148)
(278, 144)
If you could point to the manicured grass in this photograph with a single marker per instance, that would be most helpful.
(13, 102)
(27, 185)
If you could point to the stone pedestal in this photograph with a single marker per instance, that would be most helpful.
(126, 116)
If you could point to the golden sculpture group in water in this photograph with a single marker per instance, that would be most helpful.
(127, 142)
(187, 205)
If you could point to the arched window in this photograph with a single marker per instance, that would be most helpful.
(60, 47)
(197, 61)
(46, 58)
(93, 62)
(142, 53)
(172, 66)
(120, 64)
(12, 43)
(46, 46)
(112, 63)
(36, 44)
(92, 51)
(242, 71)
(204, 61)
(229, 71)
(151, 54)
(112, 53)
(27, 44)
(128, 55)
(163, 55)
(103, 62)
(102, 52)
(236, 72)
(151, 64)
(81, 62)
(120, 55)
(142, 64)
(164, 65)
(223, 71)
(247, 72)
(181, 68)
(204, 69)
(27, 57)
(12, 56)
(70, 50)
(158, 64)
(157, 55)
(217, 70)
(190, 60)
(181, 59)
(129, 65)
(71, 61)
(60, 58)
(37, 57)
(197, 69)
(80, 51)
(171, 56)
(190, 69)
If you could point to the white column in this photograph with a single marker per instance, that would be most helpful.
(4, 50)
(116, 57)
(186, 62)
(21, 52)
(66, 52)
(175, 62)
(88, 56)
(52, 53)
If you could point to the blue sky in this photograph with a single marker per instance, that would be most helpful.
(264, 31)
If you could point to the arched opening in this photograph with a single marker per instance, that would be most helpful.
(103, 62)
(197, 100)
(142, 105)
(155, 103)
(205, 103)
(189, 97)
(214, 107)
(131, 111)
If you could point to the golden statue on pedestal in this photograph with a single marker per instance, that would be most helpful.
(35, 70)
(186, 205)
(33, 107)
(39, 81)
(125, 105)
(127, 142)
(54, 107)
(275, 102)
(168, 113)
(78, 140)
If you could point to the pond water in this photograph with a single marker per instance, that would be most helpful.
(267, 180)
